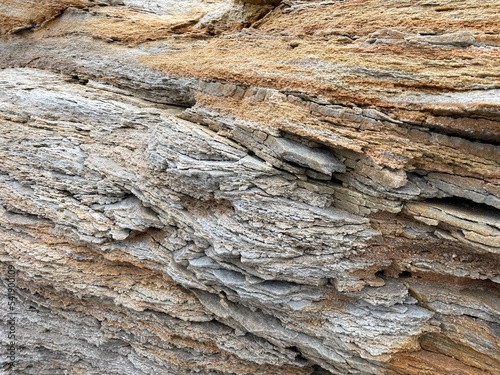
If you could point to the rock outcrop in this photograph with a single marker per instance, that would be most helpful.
(250, 187)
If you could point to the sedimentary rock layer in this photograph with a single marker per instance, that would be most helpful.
(250, 187)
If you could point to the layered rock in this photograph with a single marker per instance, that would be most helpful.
(250, 187)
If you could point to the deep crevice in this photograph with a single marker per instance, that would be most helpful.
(466, 205)
(299, 355)
(405, 275)
(318, 370)
(380, 273)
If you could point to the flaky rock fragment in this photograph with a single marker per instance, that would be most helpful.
(250, 187)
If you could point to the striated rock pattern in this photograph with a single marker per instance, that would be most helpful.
(250, 187)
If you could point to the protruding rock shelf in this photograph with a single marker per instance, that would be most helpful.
(249, 187)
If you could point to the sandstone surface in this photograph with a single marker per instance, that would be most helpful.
(247, 187)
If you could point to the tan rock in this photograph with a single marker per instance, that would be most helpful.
(250, 187)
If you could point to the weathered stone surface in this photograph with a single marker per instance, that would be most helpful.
(250, 187)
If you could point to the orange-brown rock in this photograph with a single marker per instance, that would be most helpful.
(250, 187)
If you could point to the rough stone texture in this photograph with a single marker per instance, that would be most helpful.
(251, 187)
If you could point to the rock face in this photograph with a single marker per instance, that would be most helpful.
(250, 187)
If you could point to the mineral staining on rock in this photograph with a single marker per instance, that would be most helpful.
(251, 187)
